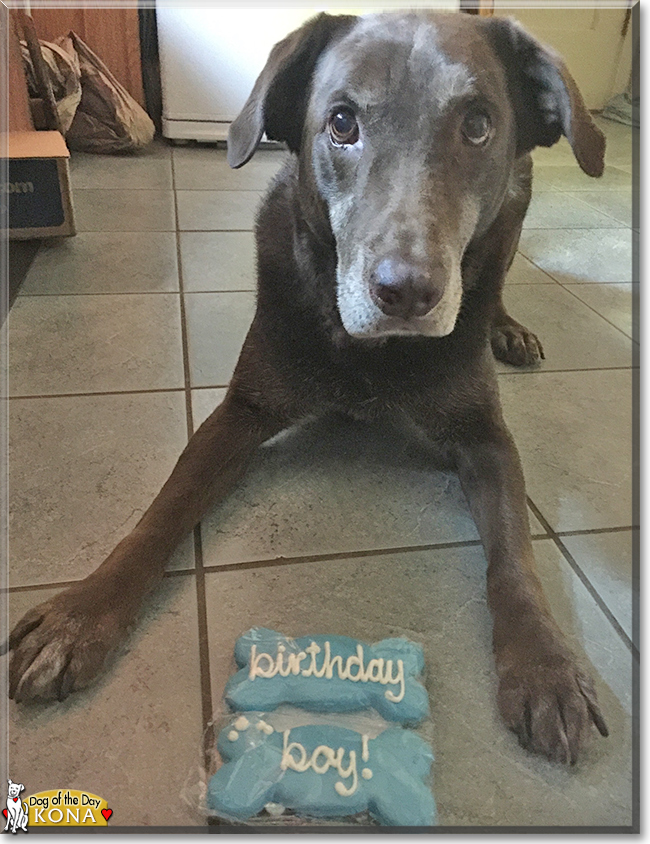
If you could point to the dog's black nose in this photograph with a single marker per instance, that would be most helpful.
(404, 290)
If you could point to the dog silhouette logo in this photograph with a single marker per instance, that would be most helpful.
(15, 811)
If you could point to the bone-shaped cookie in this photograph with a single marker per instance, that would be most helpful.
(328, 674)
(322, 771)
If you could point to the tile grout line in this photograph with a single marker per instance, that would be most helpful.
(537, 371)
(293, 560)
(201, 607)
(591, 308)
(160, 231)
(100, 393)
(577, 570)
(590, 531)
(183, 190)
(198, 387)
(139, 293)
(623, 224)
(154, 390)
(337, 555)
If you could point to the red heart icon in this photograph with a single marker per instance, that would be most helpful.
(15, 799)
(107, 813)
(4, 812)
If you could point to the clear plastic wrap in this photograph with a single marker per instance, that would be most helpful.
(297, 742)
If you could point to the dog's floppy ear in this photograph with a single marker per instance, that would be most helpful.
(278, 101)
(545, 97)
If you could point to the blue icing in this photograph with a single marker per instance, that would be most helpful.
(275, 669)
(322, 771)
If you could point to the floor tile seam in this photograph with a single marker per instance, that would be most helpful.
(591, 308)
(531, 371)
(65, 584)
(150, 292)
(564, 229)
(596, 187)
(593, 207)
(233, 290)
(205, 681)
(120, 231)
(287, 560)
(205, 675)
(569, 228)
(584, 579)
(574, 193)
(168, 190)
(224, 386)
(576, 190)
(570, 193)
(596, 531)
(156, 390)
(557, 281)
(353, 554)
(212, 292)
(77, 189)
(571, 165)
(574, 229)
(596, 283)
(541, 269)
(176, 292)
(224, 190)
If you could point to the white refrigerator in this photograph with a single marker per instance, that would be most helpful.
(210, 57)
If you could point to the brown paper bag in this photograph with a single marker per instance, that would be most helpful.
(107, 119)
(64, 74)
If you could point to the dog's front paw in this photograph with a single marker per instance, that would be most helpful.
(549, 703)
(514, 344)
(61, 645)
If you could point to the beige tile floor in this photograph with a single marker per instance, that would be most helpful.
(125, 336)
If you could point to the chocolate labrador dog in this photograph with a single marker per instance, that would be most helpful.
(382, 250)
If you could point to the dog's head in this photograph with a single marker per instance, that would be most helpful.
(407, 127)
(15, 788)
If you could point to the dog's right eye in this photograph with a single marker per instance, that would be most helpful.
(476, 127)
(343, 128)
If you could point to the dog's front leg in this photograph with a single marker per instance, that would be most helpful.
(62, 644)
(543, 694)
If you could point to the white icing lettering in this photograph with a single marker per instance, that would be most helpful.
(280, 661)
(322, 750)
(294, 661)
(366, 774)
(377, 671)
(358, 661)
(313, 649)
(321, 760)
(329, 661)
(364, 748)
(374, 670)
(288, 759)
(256, 670)
(350, 771)
(393, 681)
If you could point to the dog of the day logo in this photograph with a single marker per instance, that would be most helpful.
(58, 807)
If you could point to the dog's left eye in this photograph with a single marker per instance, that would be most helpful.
(343, 128)
(476, 127)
